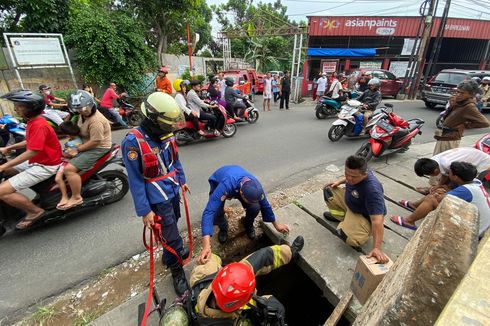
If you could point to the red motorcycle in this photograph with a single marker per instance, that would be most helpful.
(390, 135)
(226, 127)
(99, 188)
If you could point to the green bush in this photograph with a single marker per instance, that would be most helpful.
(187, 75)
(64, 93)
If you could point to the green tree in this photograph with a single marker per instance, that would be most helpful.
(33, 16)
(250, 32)
(109, 46)
(166, 21)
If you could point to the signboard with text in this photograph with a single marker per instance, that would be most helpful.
(370, 65)
(398, 68)
(329, 66)
(394, 26)
(32, 51)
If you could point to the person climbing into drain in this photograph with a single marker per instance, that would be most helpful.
(155, 175)
(228, 182)
(227, 295)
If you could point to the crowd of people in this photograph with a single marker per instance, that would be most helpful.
(156, 177)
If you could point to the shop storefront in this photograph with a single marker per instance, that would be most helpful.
(344, 44)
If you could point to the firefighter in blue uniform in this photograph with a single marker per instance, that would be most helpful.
(156, 174)
(228, 182)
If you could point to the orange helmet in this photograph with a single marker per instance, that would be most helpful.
(233, 286)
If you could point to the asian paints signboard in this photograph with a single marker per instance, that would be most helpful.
(394, 26)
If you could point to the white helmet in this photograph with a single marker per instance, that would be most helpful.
(375, 82)
(486, 79)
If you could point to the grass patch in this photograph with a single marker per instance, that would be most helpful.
(43, 314)
(85, 319)
(105, 272)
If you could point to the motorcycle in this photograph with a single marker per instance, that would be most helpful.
(129, 113)
(189, 134)
(390, 135)
(99, 188)
(48, 116)
(12, 128)
(251, 114)
(350, 121)
(328, 107)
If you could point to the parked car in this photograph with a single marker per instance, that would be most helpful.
(390, 84)
(438, 89)
(260, 84)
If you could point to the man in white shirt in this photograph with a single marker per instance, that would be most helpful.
(196, 105)
(440, 164)
(222, 85)
(267, 91)
(322, 85)
(335, 88)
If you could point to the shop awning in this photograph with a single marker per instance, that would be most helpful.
(340, 52)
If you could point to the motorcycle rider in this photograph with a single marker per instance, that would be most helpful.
(181, 87)
(197, 105)
(233, 107)
(162, 83)
(228, 293)
(154, 181)
(51, 111)
(39, 162)
(485, 89)
(228, 182)
(370, 99)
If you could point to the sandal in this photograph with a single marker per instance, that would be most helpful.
(27, 222)
(65, 207)
(398, 220)
(406, 204)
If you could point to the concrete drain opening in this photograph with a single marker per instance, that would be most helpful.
(304, 301)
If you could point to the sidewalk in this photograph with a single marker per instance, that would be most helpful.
(325, 258)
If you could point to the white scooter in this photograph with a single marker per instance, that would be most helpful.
(346, 122)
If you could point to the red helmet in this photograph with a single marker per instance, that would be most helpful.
(163, 69)
(233, 286)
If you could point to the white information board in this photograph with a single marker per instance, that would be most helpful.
(398, 68)
(31, 51)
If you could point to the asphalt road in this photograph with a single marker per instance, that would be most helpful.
(283, 148)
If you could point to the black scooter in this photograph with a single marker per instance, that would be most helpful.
(99, 188)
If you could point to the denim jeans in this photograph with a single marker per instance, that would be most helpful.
(118, 117)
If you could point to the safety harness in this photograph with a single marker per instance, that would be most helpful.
(151, 171)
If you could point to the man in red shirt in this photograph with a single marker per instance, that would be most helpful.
(39, 162)
(107, 100)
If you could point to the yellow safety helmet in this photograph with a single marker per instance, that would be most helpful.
(178, 84)
(162, 109)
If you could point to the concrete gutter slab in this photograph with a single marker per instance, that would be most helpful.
(325, 258)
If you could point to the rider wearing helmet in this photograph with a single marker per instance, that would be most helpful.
(229, 293)
(162, 83)
(39, 162)
(51, 111)
(233, 107)
(95, 131)
(370, 99)
(197, 105)
(156, 191)
(182, 87)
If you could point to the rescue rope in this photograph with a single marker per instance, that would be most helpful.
(156, 234)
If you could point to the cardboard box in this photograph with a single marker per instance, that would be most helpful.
(367, 276)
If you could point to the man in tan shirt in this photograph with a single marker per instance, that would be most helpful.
(95, 131)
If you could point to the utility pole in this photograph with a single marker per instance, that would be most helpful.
(436, 48)
(189, 49)
(422, 50)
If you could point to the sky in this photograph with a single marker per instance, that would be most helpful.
(299, 9)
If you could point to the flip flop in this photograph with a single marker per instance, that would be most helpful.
(65, 208)
(399, 221)
(28, 222)
(406, 204)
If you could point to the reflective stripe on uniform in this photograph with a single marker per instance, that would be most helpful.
(160, 190)
(277, 256)
(337, 212)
